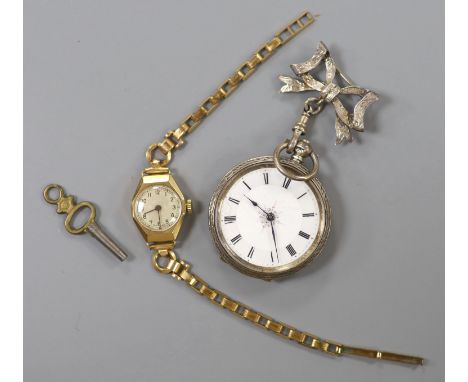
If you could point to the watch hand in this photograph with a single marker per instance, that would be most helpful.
(147, 212)
(159, 216)
(274, 239)
(157, 208)
(255, 204)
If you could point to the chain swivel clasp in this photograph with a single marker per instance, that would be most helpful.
(298, 147)
(312, 106)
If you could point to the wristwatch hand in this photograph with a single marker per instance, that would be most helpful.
(157, 208)
(159, 216)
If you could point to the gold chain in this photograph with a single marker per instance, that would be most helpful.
(173, 139)
(180, 270)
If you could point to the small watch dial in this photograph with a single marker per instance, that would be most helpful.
(267, 219)
(158, 208)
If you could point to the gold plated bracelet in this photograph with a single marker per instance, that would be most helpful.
(180, 270)
(173, 139)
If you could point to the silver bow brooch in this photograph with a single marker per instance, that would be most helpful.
(330, 91)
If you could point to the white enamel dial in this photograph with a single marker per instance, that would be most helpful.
(267, 219)
(158, 208)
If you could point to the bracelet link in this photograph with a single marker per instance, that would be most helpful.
(331, 348)
(177, 268)
(290, 31)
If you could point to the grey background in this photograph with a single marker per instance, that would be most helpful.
(103, 79)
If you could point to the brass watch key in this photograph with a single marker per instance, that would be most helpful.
(66, 205)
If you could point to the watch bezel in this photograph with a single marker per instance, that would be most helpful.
(229, 256)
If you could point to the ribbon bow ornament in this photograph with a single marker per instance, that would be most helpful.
(329, 92)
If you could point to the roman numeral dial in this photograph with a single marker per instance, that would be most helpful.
(267, 220)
